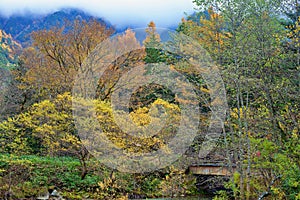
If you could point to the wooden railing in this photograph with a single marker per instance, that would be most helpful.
(217, 169)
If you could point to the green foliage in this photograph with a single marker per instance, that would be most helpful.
(29, 174)
(9, 50)
(176, 182)
(260, 70)
(221, 195)
(154, 52)
(46, 129)
(259, 62)
(277, 161)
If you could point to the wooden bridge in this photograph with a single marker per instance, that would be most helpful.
(217, 169)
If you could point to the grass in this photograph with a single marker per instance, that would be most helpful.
(31, 175)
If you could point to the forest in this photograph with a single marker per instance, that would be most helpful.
(234, 68)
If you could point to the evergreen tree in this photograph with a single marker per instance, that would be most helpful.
(154, 53)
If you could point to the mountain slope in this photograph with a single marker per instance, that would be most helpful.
(20, 27)
(9, 50)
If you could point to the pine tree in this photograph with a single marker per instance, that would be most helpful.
(154, 53)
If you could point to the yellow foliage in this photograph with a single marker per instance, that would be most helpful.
(141, 117)
(139, 142)
(204, 90)
(237, 113)
(294, 33)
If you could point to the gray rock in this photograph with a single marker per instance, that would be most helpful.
(44, 196)
(55, 195)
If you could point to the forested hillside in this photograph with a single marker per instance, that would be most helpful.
(21, 26)
(242, 61)
(9, 49)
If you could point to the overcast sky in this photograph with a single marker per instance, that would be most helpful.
(164, 13)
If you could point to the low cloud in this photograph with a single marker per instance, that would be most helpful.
(164, 13)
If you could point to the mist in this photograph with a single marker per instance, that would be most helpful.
(120, 13)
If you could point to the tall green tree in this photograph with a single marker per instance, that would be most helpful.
(154, 52)
(255, 72)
